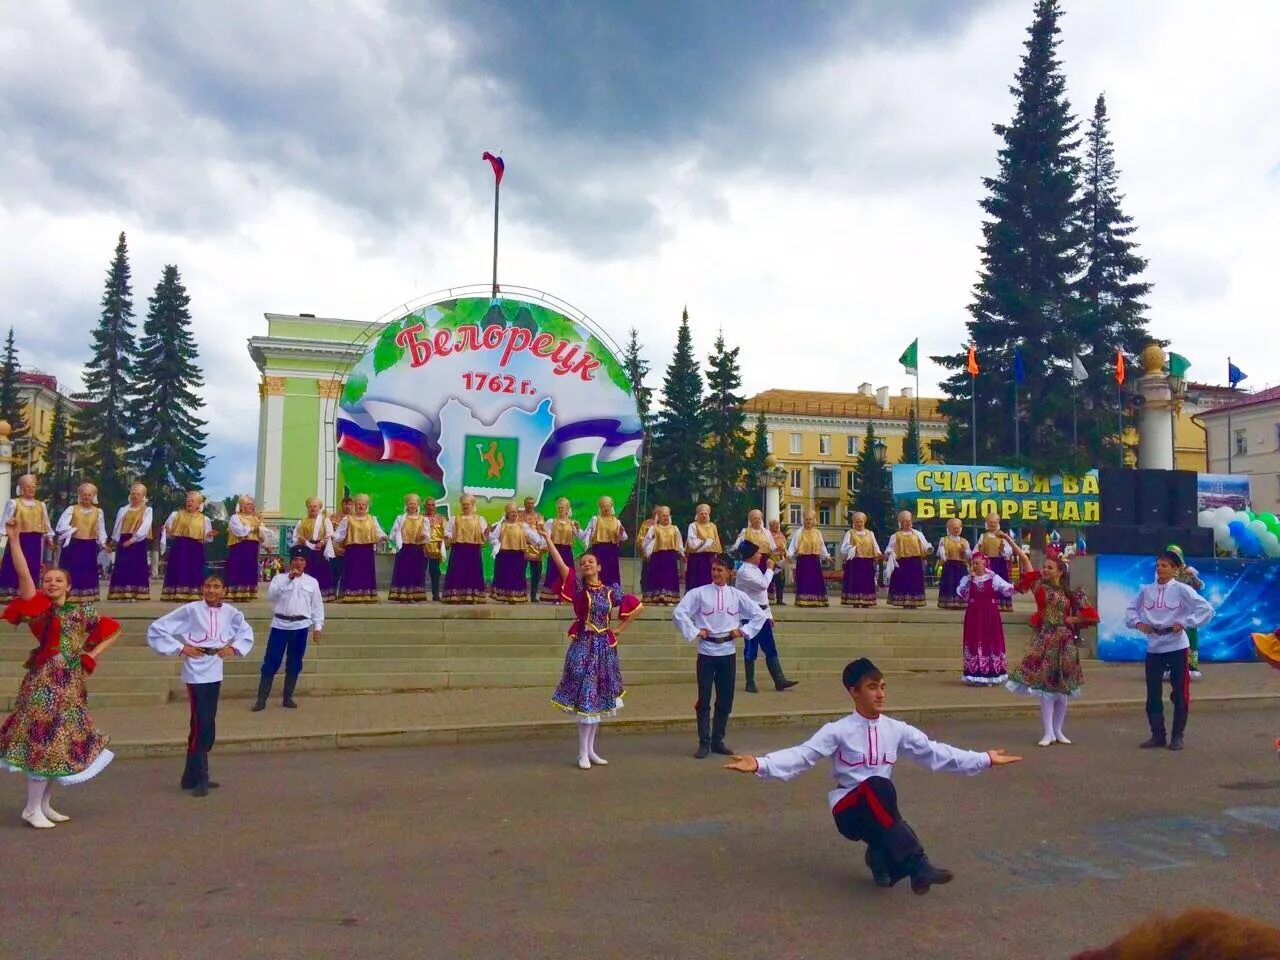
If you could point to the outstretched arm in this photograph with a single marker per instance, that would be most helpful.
(790, 763)
(942, 757)
(26, 585)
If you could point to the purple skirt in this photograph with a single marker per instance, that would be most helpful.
(662, 581)
(859, 587)
(464, 579)
(131, 572)
(591, 683)
(31, 544)
(243, 571)
(811, 588)
(1000, 567)
(509, 582)
(359, 579)
(610, 569)
(550, 592)
(697, 571)
(183, 570)
(318, 567)
(409, 575)
(80, 560)
(953, 571)
(906, 585)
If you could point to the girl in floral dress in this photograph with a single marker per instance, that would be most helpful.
(1051, 669)
(50, 736)
(984, 652)
(591, 684)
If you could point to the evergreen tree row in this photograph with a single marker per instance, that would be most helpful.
(1059, 277)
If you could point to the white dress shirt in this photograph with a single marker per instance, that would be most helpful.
(860, 748)
(141, 534)
(237, 525)
(201, 626)
(719, 611)
(296, 597)
(1161, 605)
(754, 582)
(66, 532)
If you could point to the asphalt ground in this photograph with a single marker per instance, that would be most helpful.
(507, 850)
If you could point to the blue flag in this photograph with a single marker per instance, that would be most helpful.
(1234, 373)
(1019, 368)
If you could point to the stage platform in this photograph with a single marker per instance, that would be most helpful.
(398, 647)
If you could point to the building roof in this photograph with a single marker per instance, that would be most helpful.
(819, 403)
(1270, 395)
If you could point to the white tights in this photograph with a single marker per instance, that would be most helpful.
(587, 739)
(1053, 713)
(39, 792)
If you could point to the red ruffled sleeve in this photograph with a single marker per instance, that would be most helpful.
(21, 611)
(631, 605)
(1027, 581)
(1088, 615)
(104, 629)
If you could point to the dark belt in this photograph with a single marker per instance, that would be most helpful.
(211, 651)
(281, 616)
(726, 639)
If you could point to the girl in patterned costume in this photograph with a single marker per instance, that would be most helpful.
(130, 541)
(33, 530)
(984, 651)
(1051, 669)
(954, 552)
(50, 736)
(591, 684)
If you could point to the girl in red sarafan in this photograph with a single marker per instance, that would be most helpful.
(984, 652)
(1051, 669)
(50, 736)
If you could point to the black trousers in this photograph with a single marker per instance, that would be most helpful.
(203, 698)
(870, 813)
(778, 585)
(1178, 664)
(534, 569)
(337, 567)
(433, 571)
(718, 674)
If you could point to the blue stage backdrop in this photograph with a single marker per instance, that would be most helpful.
(1245, 595)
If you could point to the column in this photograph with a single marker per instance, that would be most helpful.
(272, 442)
(1155, 421)
(327, 456)
(6, 467)
(772, 504)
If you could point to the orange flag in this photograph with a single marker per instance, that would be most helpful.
(973, 361)
(1119, 367)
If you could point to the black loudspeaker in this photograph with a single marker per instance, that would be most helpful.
(1117, 491)
(1153, 498)
(1198, 543)
(1111, 538)
(1148, 540)
(1182, 498)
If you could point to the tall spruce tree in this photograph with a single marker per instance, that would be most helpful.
(679, 461)
(171, 455)
(1110, 293)
(10, 400)
(759, 452)
(875, 488)
(726, 431)
(637, 369)
(1030, 261)
(57, 460)
(911, 442)
(105, 424)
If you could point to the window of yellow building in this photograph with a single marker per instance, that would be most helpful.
(824, 444)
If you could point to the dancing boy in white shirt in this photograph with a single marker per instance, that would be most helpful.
(296, 608)
(203, 633)
(715, 615)
(1163, 611)
(863, 748)
(755, 584)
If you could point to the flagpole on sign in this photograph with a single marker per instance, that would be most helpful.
(1017, 427)
(1230, 440)
(973, 416)
(497, 186)
(1075, 421)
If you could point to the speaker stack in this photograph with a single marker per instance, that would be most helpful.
(1143, 511)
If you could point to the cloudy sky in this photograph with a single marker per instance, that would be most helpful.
(803, 175)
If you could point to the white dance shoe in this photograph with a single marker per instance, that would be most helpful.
(1062, 739)
(54, 815)
(598, 760)
(584, 763)
(1046, 741)
(37, 819)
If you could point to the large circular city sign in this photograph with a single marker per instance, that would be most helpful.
(500, 399)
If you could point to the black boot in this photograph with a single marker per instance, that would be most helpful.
(1157, 740)
(704, 735)
(290, 682)
(780, 681)
(750, 666)
(879, 869)
(926, 875)
(264, 691)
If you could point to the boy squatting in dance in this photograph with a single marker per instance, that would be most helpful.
(863, 748)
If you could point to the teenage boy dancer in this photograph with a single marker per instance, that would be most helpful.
(863, 748)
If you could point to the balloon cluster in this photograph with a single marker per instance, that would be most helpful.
(1247, 533)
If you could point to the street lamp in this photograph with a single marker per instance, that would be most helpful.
(881, 451)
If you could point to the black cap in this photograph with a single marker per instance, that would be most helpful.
(297, 550)
(855, 671)
(747, 550)
(723, 559)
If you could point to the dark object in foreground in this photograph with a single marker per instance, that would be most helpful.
(1194, 935)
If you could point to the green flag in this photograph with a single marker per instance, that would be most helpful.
(911, 358)
(1178, 365)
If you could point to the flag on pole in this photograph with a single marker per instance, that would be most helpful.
(1119, 367)
(1019, 368)
(1234, 373)
(911, 358)
(972, 365)
(1078, 372)
(1178, 365)
(499, 167)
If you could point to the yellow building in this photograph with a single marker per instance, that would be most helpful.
(816, 438)
(38, 393)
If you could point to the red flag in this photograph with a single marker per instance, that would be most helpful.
(973, 361)
(498, 166)
(1119, 367)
